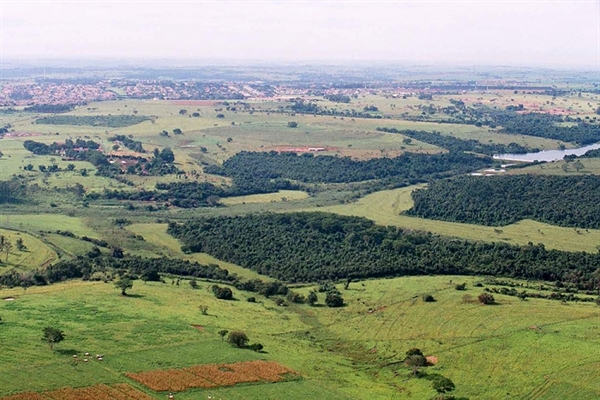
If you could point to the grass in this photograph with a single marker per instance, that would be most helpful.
(385, 207)
(148, 330)
(36, 254)
(340, 353)
(156, 235)
(280, 196)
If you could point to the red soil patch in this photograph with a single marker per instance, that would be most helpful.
(120, 391)
(199, 327)
(211, 375)
(432, 360)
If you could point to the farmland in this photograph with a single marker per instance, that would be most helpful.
(106, 189)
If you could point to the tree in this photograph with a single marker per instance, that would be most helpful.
(194, 284)
(223, 333)
(177, 131)
(1, 154)
(203, 309)
(441, 384)
(220, 115)
(334, 299)
(52, 336)
(292, 124)
(183, 112)
(312, 298)
(578, 165)
(223, 293)
(124, 284)
(20, 245)
(486, 298)
(167, 155)
(70, 167)
(7, 247)
(415, 361)
(237, 339)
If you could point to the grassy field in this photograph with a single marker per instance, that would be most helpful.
(36, 253)
(163, 243)
(385, 207)
(512, 350)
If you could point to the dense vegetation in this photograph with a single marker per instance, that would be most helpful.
(455, 144)
(109, 121)
(98, 267)
(11, 191)
(547, 126)
(70, 147)
(129, 143)
(246, 167)
(502, 200)
(304, 247)
(49, 108)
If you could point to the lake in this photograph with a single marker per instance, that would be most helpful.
(548, 155)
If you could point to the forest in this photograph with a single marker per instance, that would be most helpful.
(248, 166)
(109, 121)
(455, 144)
(313, 247)
(502, 200)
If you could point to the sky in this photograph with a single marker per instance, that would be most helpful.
(559, 34)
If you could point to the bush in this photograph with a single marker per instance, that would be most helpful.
(194, 284)
(223, 293)
(414, 352)
(442, 384)
(312, 298)
(237, 339)
(427, 298)
(256, 347)
(294, 297)
(461, 286)
(251, 299)
(334, 299)
(486, 298)
(416, 360)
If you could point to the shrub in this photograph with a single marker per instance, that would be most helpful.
(251, 299)
(334, 299)
(194, 284)
(203, 309)
(312, 298)
(461, 286)
(256, 347)
(427, 298)
(442, 384)
(414, 352)
(467, 298)
(237, 339)
(486, 298)
(223, 293)
(294, 297)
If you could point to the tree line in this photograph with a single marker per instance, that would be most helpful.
(455, 144)
(109, 121)
(312, 247)
(502, 200)
(249, 166)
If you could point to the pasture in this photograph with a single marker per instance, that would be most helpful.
(385, 208)
(514, 349)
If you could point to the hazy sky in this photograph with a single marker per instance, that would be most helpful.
(521, 33)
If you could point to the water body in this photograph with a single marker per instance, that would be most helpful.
(548, 155)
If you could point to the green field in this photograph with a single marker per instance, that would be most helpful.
(515, 349)
(385, 208)
(36, 253)
(534, 349)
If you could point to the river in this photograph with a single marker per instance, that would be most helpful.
(547, 155)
